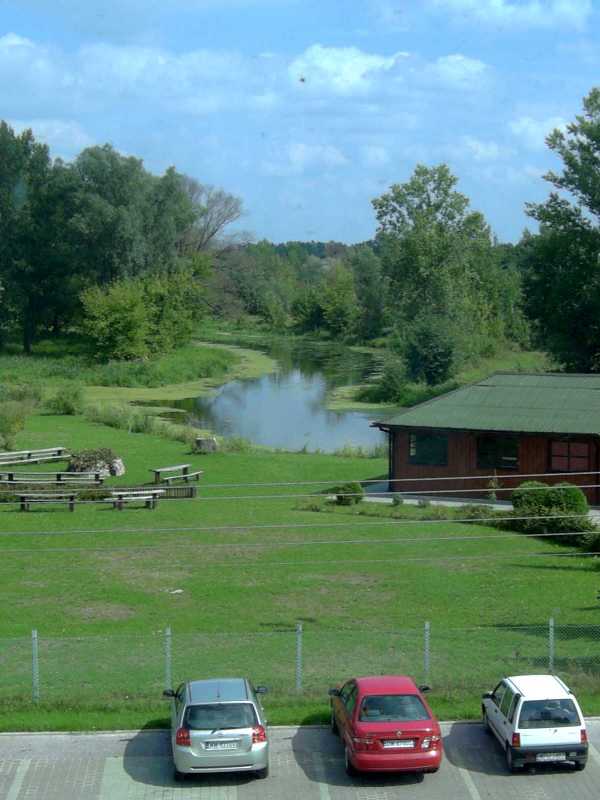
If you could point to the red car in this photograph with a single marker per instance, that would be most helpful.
(386, 725)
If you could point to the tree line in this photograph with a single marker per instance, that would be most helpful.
(133, 261)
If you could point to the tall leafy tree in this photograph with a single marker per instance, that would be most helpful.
(562, 264)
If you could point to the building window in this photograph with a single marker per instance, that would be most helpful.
(428, 449)
(497, 452)
(569, 456)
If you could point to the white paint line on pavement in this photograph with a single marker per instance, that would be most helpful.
(320, 772)
(466, 776)
(17, 782)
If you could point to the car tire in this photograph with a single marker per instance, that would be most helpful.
(263, 773)
(178, 776)
(510, 760)
(333, 724)
(349, 766)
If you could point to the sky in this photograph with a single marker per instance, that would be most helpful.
(308, 109)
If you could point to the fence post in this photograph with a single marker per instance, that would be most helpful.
(426, 651)
(299, 657)
(35, 667)
(168, 673)
(551, 644)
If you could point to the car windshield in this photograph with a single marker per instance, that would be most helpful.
(216, 716)
(392, 708)
(548, 713)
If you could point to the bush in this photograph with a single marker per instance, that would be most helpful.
(348, 494)
(397, 499)
(86, 460)
(67, 401)
(13, 415)
(536, 501)
(430, 351)
(22, 392)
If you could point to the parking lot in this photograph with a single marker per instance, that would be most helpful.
(306, 764)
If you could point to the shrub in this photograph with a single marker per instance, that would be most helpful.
(22, 392)
(430, 351)
(13, 415)
(535, 502)
(348, 494)
(424, 502)
(397, 499)
(86, 460)
(67, 401)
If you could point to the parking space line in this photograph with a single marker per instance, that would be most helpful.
(320, 772)
(466, 776)
(17, 782)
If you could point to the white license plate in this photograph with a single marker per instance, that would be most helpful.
(221, 746)
(551, 757)
(398, 743)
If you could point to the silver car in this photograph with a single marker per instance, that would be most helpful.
(218, 725)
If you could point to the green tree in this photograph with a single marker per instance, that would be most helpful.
(562, 264)
(339, 301)
(371, 290)
(117, 319)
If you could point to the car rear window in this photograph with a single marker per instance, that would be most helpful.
(216, 716)
(392, 708)
(548, 713)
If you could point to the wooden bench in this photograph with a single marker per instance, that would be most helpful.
(184, 470)
(28, 499)
(148, 496)
(186, 476)
(59, 477)
(34, 456)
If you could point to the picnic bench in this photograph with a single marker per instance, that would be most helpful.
(34, 456)
(28, 499)
(182, 473)
(79, 478)
(149, 497)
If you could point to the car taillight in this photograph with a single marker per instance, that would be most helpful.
(363, 743)
(428, 741)
(259, 734)
(516, 740)
(182, 737)
(583, 736)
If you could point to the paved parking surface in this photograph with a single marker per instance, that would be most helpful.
(306, 764)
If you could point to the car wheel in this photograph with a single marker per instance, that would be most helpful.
(263, 773)
(178, 776)
(333, 724)
(510, 761)
(350, 768)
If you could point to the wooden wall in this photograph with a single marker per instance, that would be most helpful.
(462, 461)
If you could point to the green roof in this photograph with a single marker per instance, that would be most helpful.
(518, 402)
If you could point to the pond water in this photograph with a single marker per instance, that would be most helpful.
(286, 409)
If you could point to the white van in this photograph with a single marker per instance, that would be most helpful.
(536, 719)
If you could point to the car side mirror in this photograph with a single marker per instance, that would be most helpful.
(487, 696)
(334, 692)
(168, 693)
(424, 688)
(261, 689)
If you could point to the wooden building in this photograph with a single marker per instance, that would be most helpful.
(506, 429)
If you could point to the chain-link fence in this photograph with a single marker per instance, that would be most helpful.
(303, 661)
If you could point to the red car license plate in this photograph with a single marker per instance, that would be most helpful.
(398, 744)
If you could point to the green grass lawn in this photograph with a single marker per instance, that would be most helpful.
(232, 573)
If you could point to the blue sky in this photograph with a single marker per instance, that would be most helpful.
(308, 109)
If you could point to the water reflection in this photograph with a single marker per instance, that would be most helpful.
(286, 409)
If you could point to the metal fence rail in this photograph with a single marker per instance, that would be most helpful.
(304, 660)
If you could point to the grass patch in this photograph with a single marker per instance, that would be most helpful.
(235, 570)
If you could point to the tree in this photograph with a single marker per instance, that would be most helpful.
(339, 301)
(562, 264)
(214, 209)
(371, 290)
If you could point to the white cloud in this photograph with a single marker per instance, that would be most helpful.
(65, 137)
(343, 70)
(458, 71)
(533, 132)
(300, 157)
(484, 151)
(12, 40)
(375, 155)
(531, 13)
